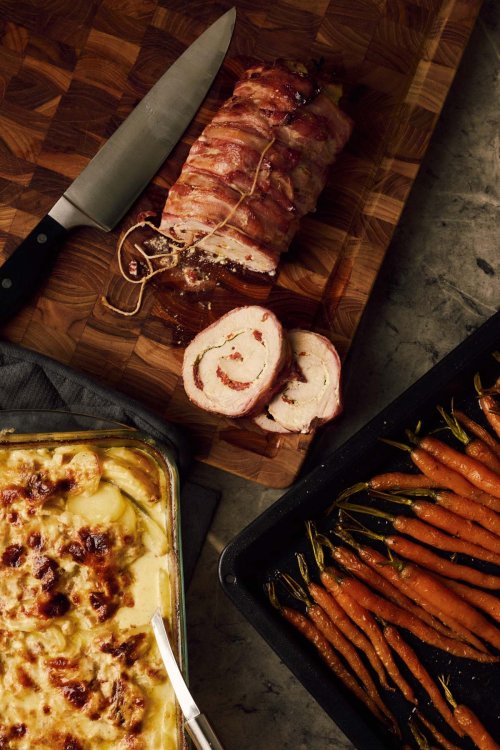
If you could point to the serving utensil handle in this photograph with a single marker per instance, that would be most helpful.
(202, 734)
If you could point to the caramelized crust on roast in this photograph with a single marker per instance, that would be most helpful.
(235, 365)
(257, 168)
(312, 394)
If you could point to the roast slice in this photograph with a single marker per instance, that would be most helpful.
(257, 168)
(234, 366)
(312, 395)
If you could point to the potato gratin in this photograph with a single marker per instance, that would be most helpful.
(85, 560)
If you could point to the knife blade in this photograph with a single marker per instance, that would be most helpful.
(197, 725)
(104, 191)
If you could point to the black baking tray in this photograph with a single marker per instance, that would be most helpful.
(270, 542)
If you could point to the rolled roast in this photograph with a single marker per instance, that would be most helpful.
(235, 365)
(257, 168)
(312, 394)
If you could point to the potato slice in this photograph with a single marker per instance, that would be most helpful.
(85, 469)
(131, 480)
(104, 506)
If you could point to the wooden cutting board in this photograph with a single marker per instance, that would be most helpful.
(70, 73)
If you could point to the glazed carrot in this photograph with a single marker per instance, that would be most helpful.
(326, 652)
(477, 449)
(489, 407)
(364, 620)
(344, 623)
(448, 521)
(451, 627)
(375, 570)
(443, 741)
(447, 477)
(417, 669)
(463, 507)
(398, 480)
(424, 556)
(476, 473)
(478, 431)
(451, 603)
(428, 534)
(470, 723)
(481, 452)
(333, 635)
(364, 597)
(487, 602)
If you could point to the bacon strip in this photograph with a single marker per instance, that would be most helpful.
(257, 168)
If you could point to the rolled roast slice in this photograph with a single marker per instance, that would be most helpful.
(312, 395)
(235, 365)
(257, 168)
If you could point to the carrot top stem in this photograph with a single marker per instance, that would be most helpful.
(368, 511)
(317, 549)
(422, 493)
(447, 692)
(304, 570)
(346, 537)
(395, 444)
(369, 534)
(454, 426)
(418, 736)
(294, 588)
(477, 384)
(392, 498)
(271, 593)
(359, 487)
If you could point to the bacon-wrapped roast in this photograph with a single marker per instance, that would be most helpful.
(257, 168)
(312, 395)
(235, 365)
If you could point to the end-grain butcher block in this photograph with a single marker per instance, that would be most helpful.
(312, 395)
(234, 366)
(257, 168)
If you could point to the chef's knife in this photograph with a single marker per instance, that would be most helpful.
(120, 171)
(196, 724)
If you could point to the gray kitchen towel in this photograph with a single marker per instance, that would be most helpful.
(32, 381)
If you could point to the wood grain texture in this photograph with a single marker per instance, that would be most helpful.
(70, 73)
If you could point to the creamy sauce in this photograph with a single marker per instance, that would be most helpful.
(84, 562)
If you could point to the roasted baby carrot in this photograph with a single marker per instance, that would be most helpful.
(464, 507)
(364, 619)
(360, 616)
(378, 572)
(469, 722)
(474, 471)
(335, 612)
(443, 741)
(390, 612)
(479, 598)
(417, 669)
(336, 639)
(447, 477)
(447, 520)
(450, 603)
(477, 449)
(429, 559)
(481, 452)
(326, 652)
(478, 431)
(490, 409)
(428, 534)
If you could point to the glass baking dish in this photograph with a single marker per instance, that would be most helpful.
(73, 670)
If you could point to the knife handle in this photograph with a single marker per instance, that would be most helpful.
(30, 262)
(202, 734)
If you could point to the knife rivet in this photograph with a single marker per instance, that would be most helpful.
(6, 283)
(41, 238)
